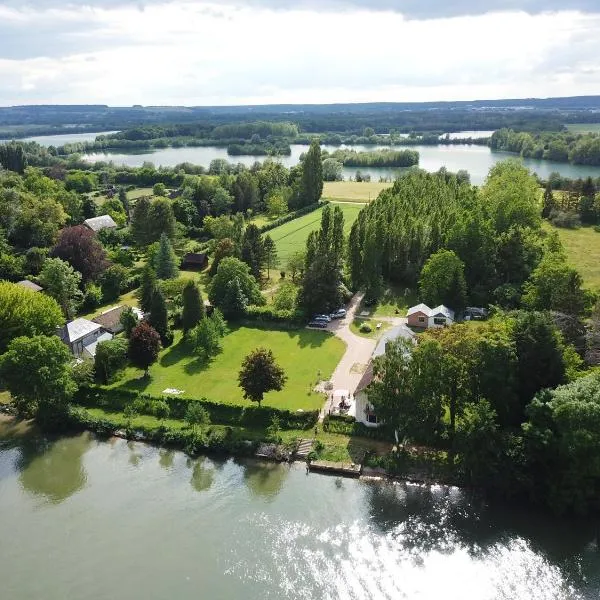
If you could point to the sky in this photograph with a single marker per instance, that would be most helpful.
(183, 52)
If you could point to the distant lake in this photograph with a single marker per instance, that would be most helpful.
(477, 160)
(63, 138)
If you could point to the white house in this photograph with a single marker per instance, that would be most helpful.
(82, 337)
(98, 223)
(365, 413)
(421, 316)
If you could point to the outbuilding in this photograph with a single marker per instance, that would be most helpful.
(97, 224)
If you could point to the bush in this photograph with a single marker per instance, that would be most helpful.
(365, 328)
(111, 357)
(346, 425)
(568, 219)
(269, 314)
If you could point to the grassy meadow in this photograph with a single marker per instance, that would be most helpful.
(583, 252)
(303, 354)
(584, 127)
(353, 191)
(292, 236)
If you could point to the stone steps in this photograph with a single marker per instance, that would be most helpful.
(304, 449)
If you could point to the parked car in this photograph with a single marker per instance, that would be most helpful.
(340, 313)
(318, 324)
(326, 318)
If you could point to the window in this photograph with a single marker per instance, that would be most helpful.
(439, 321)
(421, 319)
(372, 418)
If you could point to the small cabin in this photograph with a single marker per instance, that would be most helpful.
(194, 260)
(97, 224)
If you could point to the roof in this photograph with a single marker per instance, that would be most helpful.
(101, 222)
(423, 308)
(91, 348)
(34, 287)
(195, 258)
(79, 328)
(442, 310)
(400, 331)
(365, 380)
(111, 319)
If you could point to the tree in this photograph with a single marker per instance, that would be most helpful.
(554, 285)
(270, 254)
(165, 261)
(128, 320)
(111, 356)
(225, 247)
(162, 219)
(34, 260)
(206, 337)
(125, 202)
(147, 287)
(443, 280)
(311, 182)
(43, 391)
(193, 306)
(295, 264)
(234, 302)
(26, 313)
(141, 224)
(277, 203)
(61, 282)
(245, 192)
(549, 204)
(159, 189)
(80, 247)
(159, 317)
(88, 208)
(196, 415)
(253, 253)
(12, 157)
(332, 170)
(260, 374)
(219, 291)
(285, 298)
(112, 282)
(144, 346)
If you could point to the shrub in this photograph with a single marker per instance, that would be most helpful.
(566, 219)
(270, 314)
(111, 356)
(365, 328)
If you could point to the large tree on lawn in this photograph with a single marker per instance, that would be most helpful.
(260, 374)
(144, 346)
(80, 247)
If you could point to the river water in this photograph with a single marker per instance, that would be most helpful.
(477, 160)
(96, 520)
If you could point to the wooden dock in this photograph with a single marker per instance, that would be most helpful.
(335, 468)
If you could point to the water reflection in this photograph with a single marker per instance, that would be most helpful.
(265, 480)
(166, 458)
(203, 474)
(135, 454)
(53, 469)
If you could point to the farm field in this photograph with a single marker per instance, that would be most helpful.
(584, 127)
(302, 354)
(353, 191)
(583, 251)
(292, 236)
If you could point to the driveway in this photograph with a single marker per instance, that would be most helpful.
(358, 353)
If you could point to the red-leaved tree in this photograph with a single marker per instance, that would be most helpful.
(144, 346)
(81, 249)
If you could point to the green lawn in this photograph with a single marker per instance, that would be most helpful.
(375, 333)
(584, 127)
(394, 303)
(292, 236)
(302, 353)
(353, 191)
(583, 251)
(128, 299)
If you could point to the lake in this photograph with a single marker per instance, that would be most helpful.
(62, 138)
(477, 160)
(96, 520)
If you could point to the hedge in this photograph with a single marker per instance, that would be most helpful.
(346, 425)
(268, 314)
(293, 215)
(209, 440)
(222, 414)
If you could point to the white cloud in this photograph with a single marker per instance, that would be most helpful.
(201, 53)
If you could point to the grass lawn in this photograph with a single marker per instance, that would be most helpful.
(584, 127)
(394, 303)
(292, 236)
(139, 192)
(302, 354)
(375, 333)
(129, 299)
(583, 252)
(353, 191)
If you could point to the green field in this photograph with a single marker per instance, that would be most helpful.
(583, 252)
(584, 127)
(292, 236)
(353, 191)
(302, 354)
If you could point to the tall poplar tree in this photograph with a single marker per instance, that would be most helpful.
(311, 182)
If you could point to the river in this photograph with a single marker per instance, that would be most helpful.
(96, 520)
(477, 160)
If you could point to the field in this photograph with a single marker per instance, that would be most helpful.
(292, 236)
(584, 127)
(353, 191)
(583, 251)
(303, 354)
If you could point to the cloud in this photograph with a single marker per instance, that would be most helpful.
(202, 53)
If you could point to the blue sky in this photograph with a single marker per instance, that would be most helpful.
(269, 51)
